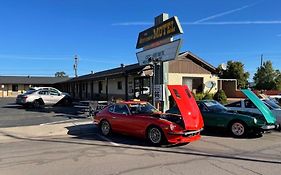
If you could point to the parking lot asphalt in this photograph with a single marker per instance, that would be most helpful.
(84, 151)
(12, 115)
(60, 144)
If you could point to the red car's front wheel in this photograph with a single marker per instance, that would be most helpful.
(105, 128)
(155, 135)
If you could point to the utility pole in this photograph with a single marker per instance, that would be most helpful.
(261, 59)
(75, 66)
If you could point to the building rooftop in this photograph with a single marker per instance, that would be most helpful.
(31, 80)
(110, 72)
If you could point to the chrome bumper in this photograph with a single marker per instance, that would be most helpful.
(187, 133)
(268, 127)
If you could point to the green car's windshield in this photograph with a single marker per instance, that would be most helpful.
(215, 106)
(142, 108)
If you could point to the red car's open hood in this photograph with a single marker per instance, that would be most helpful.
(187, 106)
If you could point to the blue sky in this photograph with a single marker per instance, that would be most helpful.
(41, 37)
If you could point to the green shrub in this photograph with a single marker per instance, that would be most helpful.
(199, 96)
(220, 97)
(208, 96)
(203, 96)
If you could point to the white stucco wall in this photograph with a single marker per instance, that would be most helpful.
(176, 79)
(113, 86)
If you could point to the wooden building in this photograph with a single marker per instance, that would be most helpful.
(131, 81)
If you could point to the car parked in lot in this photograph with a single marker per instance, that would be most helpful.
(142, 120)
(276, 98)
(215, 115)
(40, 96)
(247, 105)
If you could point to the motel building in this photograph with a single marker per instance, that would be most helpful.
(11, 86)
(135, 81)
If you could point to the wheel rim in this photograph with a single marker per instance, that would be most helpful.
(155, 135)
(237, 129)
(105, 128)
(36, 104)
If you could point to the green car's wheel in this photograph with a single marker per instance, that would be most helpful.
(238, 129)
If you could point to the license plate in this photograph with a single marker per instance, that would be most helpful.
(271, 127)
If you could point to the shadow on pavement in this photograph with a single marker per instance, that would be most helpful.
(91, 132)
(159, 150)
(60, 111)
(214, 132)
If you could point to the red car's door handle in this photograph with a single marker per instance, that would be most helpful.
(113, 117)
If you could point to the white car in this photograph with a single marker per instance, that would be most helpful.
(40, 96)
(277, 98)
(248, 106)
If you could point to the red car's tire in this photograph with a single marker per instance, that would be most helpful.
(155, 135)
(105, 127)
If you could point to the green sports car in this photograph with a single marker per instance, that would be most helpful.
(239, 124)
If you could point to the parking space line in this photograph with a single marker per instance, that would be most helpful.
(107, 139)
(12, 105)
(57, 122)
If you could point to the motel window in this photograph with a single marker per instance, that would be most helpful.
(119, 85)
(15, 87)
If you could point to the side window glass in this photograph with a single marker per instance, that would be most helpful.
(43, 92)
(235, 104)
(111, 109)
(268, 106)
(121, 109)
(202, 107)
(249, 104)
(54, 92)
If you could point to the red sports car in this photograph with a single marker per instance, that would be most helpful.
(141, 119)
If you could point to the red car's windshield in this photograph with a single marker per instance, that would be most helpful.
(142, 108)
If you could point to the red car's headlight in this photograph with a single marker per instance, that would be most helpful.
(172, 126)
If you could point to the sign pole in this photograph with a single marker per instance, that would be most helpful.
(154, 72)
(162, 68)
(158, 48)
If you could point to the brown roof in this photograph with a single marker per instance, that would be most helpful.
(111, 72)
(134, 68)
(31, 80)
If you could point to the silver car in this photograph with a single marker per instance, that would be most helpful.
(41, 96)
